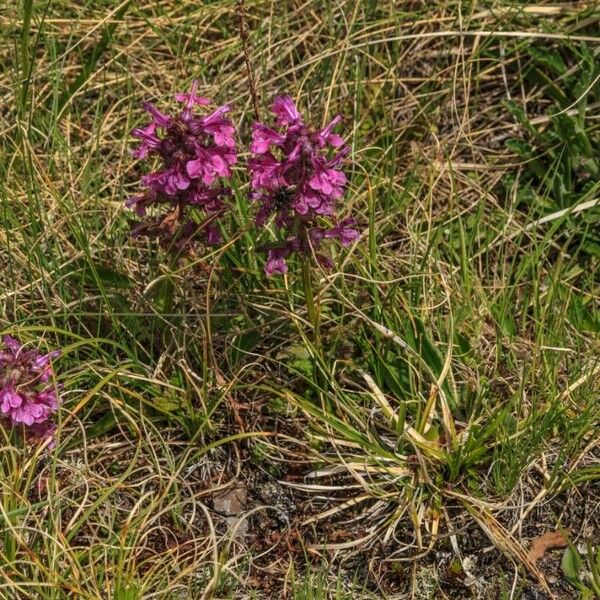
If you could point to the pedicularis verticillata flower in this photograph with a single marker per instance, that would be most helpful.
(27, 393)
(196, 153)
(296, 175)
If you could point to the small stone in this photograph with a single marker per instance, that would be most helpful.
(231, 501)
(274, 494)
(237, 527)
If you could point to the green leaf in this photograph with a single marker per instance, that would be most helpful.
(430, 355)
(167, 404)
(581, 316)
(548, 58)
(96, 275)
(243, 343)
(298, 358)
(571, 563)
(103, 425)
(520, 147)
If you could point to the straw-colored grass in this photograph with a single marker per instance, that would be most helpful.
(448, 414)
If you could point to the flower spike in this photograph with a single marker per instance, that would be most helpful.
(298, 182)
(195, 153)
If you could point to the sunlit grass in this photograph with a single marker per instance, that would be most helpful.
(456, 382)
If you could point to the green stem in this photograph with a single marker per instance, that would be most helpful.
(166, 296)
(313, 315)
(309, 297)
(164, 303)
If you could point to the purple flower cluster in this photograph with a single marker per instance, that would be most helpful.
(27, 394)
(195, 153)
(296, 175)
(295, 178)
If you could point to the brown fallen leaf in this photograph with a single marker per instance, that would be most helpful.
(547, 541)
(171, 221)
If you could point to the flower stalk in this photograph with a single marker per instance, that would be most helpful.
(309, 298)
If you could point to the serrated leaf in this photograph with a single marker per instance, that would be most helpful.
(571, 563)
(518, 112)
(166, 404)
(518, 146)
(548, 58)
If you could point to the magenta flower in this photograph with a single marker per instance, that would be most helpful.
(27, 395)
(195, 153)
(297, 178)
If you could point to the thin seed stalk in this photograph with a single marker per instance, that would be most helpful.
(241, 13)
